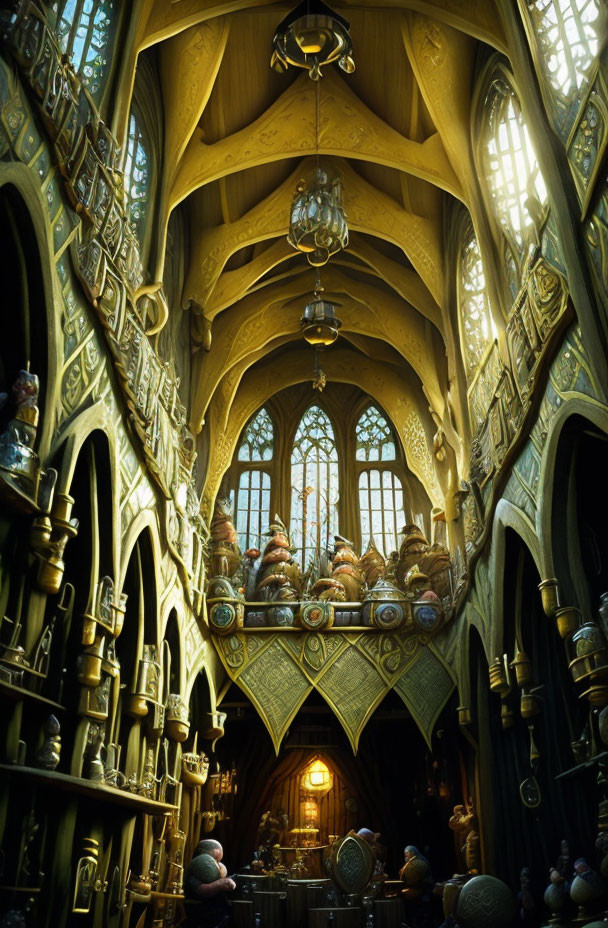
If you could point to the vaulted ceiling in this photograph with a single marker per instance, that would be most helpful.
(238, 137)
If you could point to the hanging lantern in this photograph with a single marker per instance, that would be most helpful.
(319, 322)
(317, 225)
(310, 37)
(316, 778)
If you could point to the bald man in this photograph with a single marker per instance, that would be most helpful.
(206, 882)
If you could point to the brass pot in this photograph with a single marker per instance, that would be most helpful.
(50, 574)
(136, 705)
(549, 593)
(523, 669)
(88, 669)
(40, 533)
(568, 619)
(62, 506)
(176, 729)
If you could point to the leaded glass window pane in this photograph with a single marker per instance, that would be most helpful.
(252, 508)
(477, 326)
(314, 485)
(567, 32)
(137, 176)
(382, 509)
(258, 439)
(375, 439)
(85, 31)
(516, 184)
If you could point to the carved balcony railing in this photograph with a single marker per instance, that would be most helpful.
(502, 394)
(106, 257)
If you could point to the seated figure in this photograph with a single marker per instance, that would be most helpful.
(205, 883)
(415, 872)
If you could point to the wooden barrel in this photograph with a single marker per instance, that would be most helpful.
(301, 896)
(242, 913)
(271, 907)
(388, 913)
(343, 917)
(316, 893)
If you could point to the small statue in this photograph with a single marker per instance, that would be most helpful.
(225, 553)
(372, 564)
(346, 581)
(49, 754)
(464, 825)
(563, 864)
(279, 575)
(413, 546)
(525, 899)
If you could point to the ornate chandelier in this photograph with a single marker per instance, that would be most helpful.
(317, 225)
(312, 36)
(319, 322)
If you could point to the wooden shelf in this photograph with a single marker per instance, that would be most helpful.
(30, 890)
(50, 779)
(12, 691)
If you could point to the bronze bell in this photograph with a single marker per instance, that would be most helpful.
(549, 592)
(568, 619)
(499, 677)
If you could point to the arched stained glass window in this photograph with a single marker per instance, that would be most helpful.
(568, 34)
(516, 184)
(252, 508)
(258, 439)
(137, 176)
(382, 509)
(314, 485)
(375, 440)
(476, 324)
(85, 30)
(253, 493)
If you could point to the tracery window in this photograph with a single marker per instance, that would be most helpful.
(516, 185)
(375, 440)
(258, 440)
(314, 485)
(567, 37)
(137, 176)
(381, 498)
(253, 494)
(477, 329)
(85, 30)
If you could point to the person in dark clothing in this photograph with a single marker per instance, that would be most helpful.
(205, 884)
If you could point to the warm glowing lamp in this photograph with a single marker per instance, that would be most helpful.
(317, 777)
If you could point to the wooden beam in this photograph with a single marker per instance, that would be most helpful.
(347, 128)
